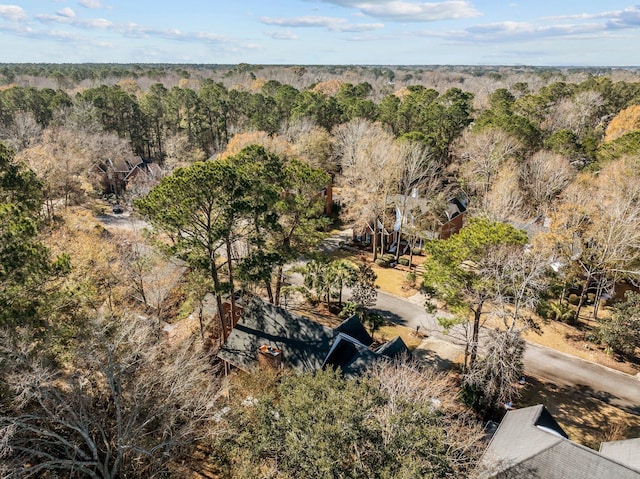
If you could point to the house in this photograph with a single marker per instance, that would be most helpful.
(114, 174)
(269, 334)
(408, 210)
(530, 443)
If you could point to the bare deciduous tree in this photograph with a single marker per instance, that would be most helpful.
(411, 382)
(504, 201)
(481, 155)
(23, 132)
(419, 174)
(577, 114)
(596, 228)
(125, 407)
(370, 168)
(544, 176)
(495, 376)
(60, 163)
(517, 280)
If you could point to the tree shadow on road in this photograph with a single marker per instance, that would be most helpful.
(588, 416)
(388, 316)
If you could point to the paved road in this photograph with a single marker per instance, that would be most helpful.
(613, 387)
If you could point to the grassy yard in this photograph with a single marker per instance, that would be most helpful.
(559, 336)
(586, 419)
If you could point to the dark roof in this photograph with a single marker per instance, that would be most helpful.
(125, 165)
(342, 352)
(455, 206)
(394, 348)
(354, 328)
(626, 452)
(304, 343)
(360, 363)
(530, 443)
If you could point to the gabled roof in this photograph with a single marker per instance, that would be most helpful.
(530, 443)
(454, 207)
(394, 348)
(305, 345)
(354, 328)
(125, 165)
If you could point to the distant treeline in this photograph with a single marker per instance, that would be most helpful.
(208, 113)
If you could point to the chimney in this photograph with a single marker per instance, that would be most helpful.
(269, 357)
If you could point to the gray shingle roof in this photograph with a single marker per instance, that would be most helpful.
(625, 452)
(304, 343)
(529, 443)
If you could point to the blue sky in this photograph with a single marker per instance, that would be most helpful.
(384, 32)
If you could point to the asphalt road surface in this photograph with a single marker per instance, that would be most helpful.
(619, 389)
(613, 387)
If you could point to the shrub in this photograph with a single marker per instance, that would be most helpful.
(621, 332)
(574, 299)
(561, 312)
(544, 310)
(417, 251)
(348, 310)
(411, 278)
(382, 262)
(404, 261)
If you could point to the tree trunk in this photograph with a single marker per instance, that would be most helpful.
(230, 272)
(412, 244)
(276, 296)
(268, 287)
(475, 334)
(596, 301)
(402, 213)
(398, 244)
(374, 239)
(583, 293)
(465, 366)
(201, 320)
(213, 271)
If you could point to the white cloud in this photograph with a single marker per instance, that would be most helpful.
(359, 27)
(91, 3)
(329, 23)
(88, 23)
(132, 30)
(13, 13)
(308, 21)
(411, 11)
(524, 31)
(582, 25)
(66, 12)
(282, 35)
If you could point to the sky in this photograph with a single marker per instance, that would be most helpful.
(338, 32)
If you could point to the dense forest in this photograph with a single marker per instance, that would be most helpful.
(229, 163)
